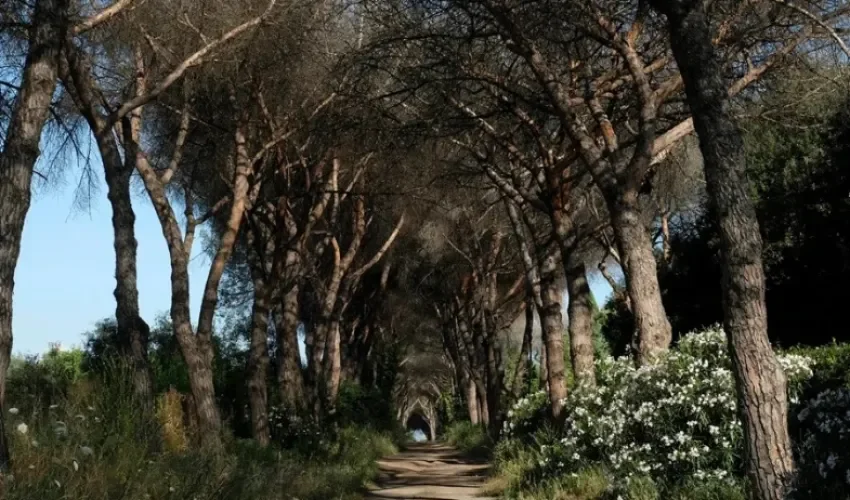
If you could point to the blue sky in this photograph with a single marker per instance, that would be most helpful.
(66, 272)
(65, 275)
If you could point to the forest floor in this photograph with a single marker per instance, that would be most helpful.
(431, 471)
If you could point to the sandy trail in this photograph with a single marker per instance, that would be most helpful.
(430, 472)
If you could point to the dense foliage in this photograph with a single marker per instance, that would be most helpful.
(798, 165)
(671, 426)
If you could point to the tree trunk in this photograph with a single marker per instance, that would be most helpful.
(580, 313)
(472, 401)
(518, 384)
(290, 381)
(665, 237)
(200, 372)
(333, 363)
(258, 360)
(132, 329)
(760, 382)
(17, 161)
(652, 334)
(551, 322)
(483, 411)
(494, 385)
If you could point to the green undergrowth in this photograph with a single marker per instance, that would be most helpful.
(469, 438)
(95, 443)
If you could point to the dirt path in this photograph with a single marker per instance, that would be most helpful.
(430, 472)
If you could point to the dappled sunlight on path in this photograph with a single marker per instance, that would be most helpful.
(430, 472)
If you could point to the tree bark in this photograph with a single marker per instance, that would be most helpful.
(653, 334)
(580, 313)
(290, 381)
(472, 401)
(258, 357)
(760, 382)
(552, 324)
(518, 383)
(132, 329)
(17, 161)
(334, 364)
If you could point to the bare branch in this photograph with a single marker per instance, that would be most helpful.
(191, 61)
(101, 17)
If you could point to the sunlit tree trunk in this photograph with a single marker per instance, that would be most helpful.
(580, 313)
(653, 333)
(334, 365)
(760, 382)
(17, 161)
(552, 325)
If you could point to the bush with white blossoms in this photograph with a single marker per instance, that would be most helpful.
(822, 425)
(671, 421)
(526, 415)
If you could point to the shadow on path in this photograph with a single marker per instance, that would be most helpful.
(430, 472)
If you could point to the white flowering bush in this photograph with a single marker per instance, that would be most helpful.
(823, 446)
(672, 421)
(526, 415)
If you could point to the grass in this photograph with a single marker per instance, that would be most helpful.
(469, 438)
(97, 445)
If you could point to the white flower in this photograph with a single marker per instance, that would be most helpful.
(57, 483)
(76, 465)
(14, 411)
(171, 489)
(22, 428)
(831, 460)
(53, 407)
(86, 451)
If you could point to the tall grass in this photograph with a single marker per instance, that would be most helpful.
(469, 438)
(98, 444)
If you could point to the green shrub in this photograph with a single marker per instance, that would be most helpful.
(469, 438)
(830, 370)
(711, 489)
(526, 416)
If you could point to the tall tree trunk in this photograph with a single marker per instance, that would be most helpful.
(17, 161)
(760, 382)
(483, 411)
(132, 329)
(472, 401)
(334, 362)
(653, 333)
(199, 365)
(552, 324)
(494, 385)
(580, 313)
(258, 359)
(290, 381)
(518, 384)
